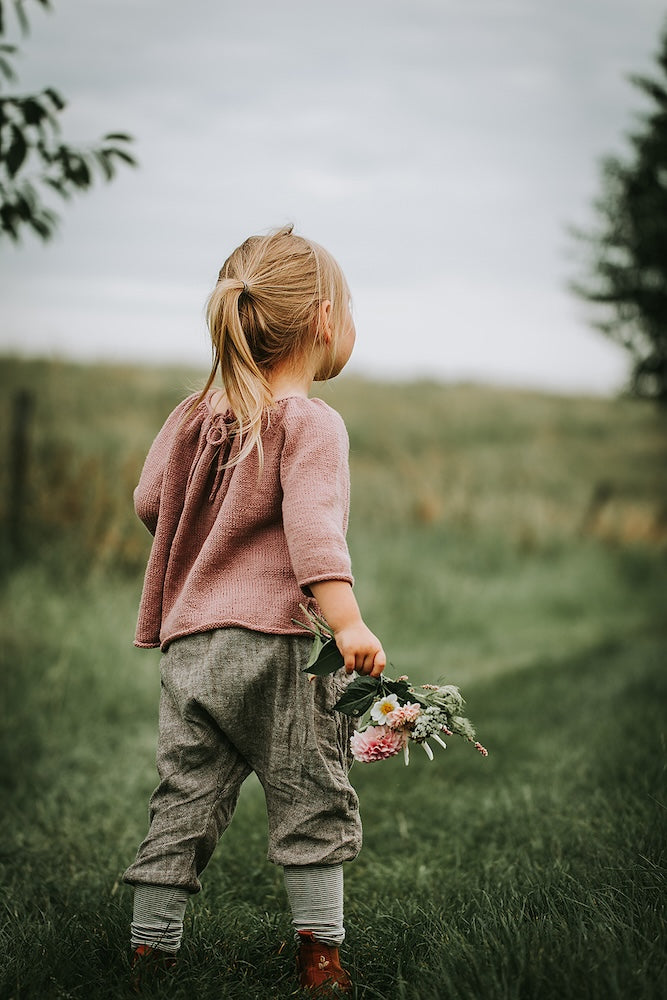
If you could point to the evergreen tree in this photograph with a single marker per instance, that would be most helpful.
(34, 162)
(627, 262)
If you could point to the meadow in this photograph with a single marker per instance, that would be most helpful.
(514, 543)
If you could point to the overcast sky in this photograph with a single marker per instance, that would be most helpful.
(439, 148)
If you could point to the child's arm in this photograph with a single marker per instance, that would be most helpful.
(361, 650)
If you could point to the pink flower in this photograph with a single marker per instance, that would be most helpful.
(484, 752)
(376, 743)
(402, 716)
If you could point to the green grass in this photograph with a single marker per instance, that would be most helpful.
(523, 470)
(535, 873)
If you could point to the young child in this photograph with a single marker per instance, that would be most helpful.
(246, 491)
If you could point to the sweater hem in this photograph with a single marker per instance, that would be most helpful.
(223, 623)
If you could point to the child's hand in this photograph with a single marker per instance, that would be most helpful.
(361, 650)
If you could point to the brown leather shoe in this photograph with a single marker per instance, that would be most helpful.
(319, 968)
(149, 965)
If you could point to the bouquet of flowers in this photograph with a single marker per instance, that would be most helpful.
(392, 714)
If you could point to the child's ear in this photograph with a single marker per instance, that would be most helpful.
(324, 329)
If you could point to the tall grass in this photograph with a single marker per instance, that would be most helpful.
(530, 470)
(536, 873)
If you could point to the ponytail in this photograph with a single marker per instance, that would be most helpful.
(246, 387)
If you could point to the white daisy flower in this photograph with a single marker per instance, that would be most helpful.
(383, 707)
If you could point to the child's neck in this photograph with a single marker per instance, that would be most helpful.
(290, 383)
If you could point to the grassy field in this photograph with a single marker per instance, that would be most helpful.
(514, 543)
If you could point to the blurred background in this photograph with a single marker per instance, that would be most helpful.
(509, 515)
(439, 148)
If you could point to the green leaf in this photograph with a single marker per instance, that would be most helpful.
(43, 225)
(55, 98)
(314, 652)
(399, 688)
(21, 17)
(7, 222)
(33, 112)
(104, 165)
(6, 68)
(121, 154)
(75, 168)
(58, 185)
(327, 661)
(358, 696)
(16, 153)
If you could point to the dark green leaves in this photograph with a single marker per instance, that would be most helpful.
(358, 696)
(19, 12)
(16, 150)
(325, 658)
(34, 162)
(400, 688)
(55, 98)
(625, 253)
(362, 692)
(6, 68)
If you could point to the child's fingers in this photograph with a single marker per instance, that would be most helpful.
(361, 651)
(372, 663)
(365, 663)
(379, 663)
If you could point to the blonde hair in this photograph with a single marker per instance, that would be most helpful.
(264, 312)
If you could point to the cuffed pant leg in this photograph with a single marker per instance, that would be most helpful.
(315, 894)
(157, 919)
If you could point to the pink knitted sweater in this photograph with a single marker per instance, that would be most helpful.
(233, 548)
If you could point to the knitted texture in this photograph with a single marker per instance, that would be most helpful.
(157, 921)
(231, 546)
(315, 894)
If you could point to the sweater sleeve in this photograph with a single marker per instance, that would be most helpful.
(148, 493)
(315, 480)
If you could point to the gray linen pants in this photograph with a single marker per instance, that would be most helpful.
(234, 701)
